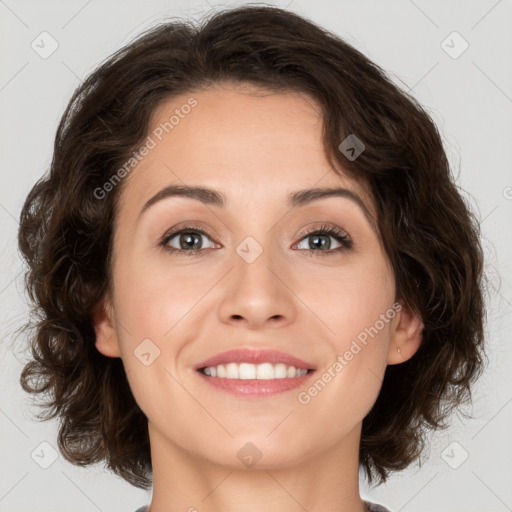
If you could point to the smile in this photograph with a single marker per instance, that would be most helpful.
(240, 380)
(245, 371)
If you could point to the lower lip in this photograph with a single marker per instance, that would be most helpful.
(256, 387)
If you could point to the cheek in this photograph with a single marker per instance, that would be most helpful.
(362, 322)
(356, 312)
(153, 298)
(350, 300)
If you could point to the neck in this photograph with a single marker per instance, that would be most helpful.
(187, 482)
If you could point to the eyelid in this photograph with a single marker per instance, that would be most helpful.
(187, 226)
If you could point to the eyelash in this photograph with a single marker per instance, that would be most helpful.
(336, 233)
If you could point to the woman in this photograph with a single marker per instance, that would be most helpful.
(253, 270)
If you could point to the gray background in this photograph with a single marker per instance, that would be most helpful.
(470, 98)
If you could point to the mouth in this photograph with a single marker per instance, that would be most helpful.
(249, 372)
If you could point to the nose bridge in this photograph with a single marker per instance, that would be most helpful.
(253, 268)
(254, 262)
(258, 250)
(257, 292)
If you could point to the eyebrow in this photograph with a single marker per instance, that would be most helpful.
(295, 199)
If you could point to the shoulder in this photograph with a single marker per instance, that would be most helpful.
(374, 507)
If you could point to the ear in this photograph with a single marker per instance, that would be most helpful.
(406, 335)
(104, 327)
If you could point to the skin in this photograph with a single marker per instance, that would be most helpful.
(256, 147)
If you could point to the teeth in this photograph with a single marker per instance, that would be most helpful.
(264, 371)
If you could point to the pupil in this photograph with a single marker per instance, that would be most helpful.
(321, 240)
(188, 240)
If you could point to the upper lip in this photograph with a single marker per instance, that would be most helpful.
(255, 356)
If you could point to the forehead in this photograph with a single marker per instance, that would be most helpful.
(241, 139)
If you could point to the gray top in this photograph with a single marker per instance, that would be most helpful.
(372, 507)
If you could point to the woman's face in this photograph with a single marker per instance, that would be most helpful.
(253, 284)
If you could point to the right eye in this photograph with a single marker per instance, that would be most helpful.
(189, 237)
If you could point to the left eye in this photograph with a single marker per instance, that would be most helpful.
(320, 240)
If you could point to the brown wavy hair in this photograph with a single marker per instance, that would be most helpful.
(428, 230)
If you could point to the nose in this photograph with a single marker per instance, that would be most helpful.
(259, 293)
